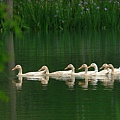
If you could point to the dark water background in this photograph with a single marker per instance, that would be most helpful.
(59, 100)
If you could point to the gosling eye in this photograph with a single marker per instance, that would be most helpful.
(17, 66)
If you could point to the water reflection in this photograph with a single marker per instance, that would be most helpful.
(64, 98)
(18, 83)
(42, 79)
(70, 82)
(106, 81)
(87, 82)
(84, 85)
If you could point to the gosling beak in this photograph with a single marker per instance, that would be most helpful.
(14, 69)
(80, 68)
(66, 68)
(89, 66)
(104, 67)
(101, 67)
(40, 69)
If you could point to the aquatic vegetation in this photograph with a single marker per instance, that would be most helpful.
(60, 14)
(3, 96)
(3, 56)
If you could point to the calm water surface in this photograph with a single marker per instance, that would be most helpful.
(47, 98)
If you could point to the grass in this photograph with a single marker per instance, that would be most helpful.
(67, 14)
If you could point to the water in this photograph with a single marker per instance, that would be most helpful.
(51, 99)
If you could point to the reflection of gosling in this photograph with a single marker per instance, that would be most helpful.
(93, 81)
(108, 83)
(44, 80)
(19, 83)
(84, 85)
(71, 82)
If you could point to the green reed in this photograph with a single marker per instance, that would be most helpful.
(69, 14)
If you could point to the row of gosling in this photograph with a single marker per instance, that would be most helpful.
(70, 70)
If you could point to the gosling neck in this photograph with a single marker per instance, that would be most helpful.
(96, 68)
(20, 71)
(112, 68)
(47, 71)
(73, 70)
(86, 70)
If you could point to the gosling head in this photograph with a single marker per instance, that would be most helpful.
(92, 65)
(83, 66)
(70, 66)
(104, 66)
(17, 67)
(43, 68)
(110, 66)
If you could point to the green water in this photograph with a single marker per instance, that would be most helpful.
(33, 99)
